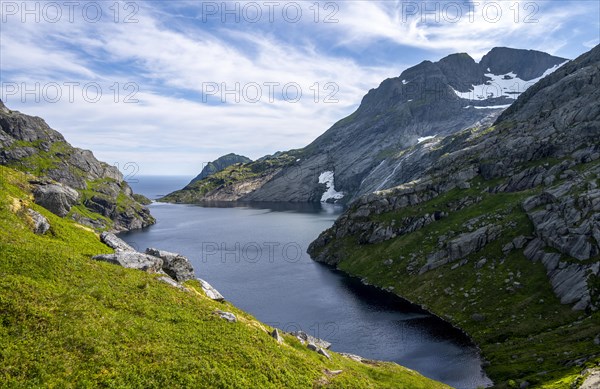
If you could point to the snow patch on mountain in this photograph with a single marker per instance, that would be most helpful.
(425, 138)
(493, 107)
(503, 85)
(328, 179)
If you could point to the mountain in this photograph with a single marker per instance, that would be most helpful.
(360, 153)
(497, 230)
(69, 181)
(219, 164)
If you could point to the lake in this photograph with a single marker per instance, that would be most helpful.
(255, 255)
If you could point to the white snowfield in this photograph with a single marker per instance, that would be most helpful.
(425, 138)
(327, 178)
(503, 85)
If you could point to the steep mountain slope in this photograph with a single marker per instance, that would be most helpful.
(69, 181)
(498, 231)
(430, 99)
(219, 164)
(69, 321)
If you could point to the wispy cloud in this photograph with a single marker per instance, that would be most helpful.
(171, 54)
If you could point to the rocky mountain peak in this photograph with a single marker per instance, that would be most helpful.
(525, 64)
(3, 108)
(432, 99)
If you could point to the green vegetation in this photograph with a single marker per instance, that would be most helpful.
(234, 174)
(141, 199)
(42, 160)
(69, 321)
(100, 202)
(506, 304)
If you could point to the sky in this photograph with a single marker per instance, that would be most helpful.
(167, 86)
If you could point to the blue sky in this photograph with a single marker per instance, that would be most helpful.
(172, 85)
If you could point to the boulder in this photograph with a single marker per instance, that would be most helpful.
(472, 242)
(175, 265)
(132, 260)
(354, 357)
(210, 292)
(112, 241)
(323, 353)
(56, 198)
(277, 336)
(230, 317)
(462, 246)
(172, 282)
(40, 223)
(303, 336)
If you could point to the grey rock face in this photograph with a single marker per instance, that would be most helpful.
(132, 260)
(56, 198)
(462, 246)
(40, 223)
(544, 138)
(565, 218)
(210, 291)
(175, 265)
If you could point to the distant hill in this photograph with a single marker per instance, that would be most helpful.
(219, 164)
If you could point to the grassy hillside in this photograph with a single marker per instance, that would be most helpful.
(69, 321)
(504, 301)
(225, 182)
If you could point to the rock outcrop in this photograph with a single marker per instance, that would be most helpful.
(132, 260)
(68, 176)
(40, 223)
(176, 268)
(112, 241)
(175, 265)
(462, 246)
(210, 292)
(56, 198)
(309, 339)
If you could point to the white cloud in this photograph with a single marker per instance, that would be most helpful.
(475, 29)
(170, 67)
(169, 57)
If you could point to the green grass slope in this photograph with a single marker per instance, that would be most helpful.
(506, 305)
(69, 321)
(224, 181)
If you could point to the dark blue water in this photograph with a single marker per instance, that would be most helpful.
(255, 255)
